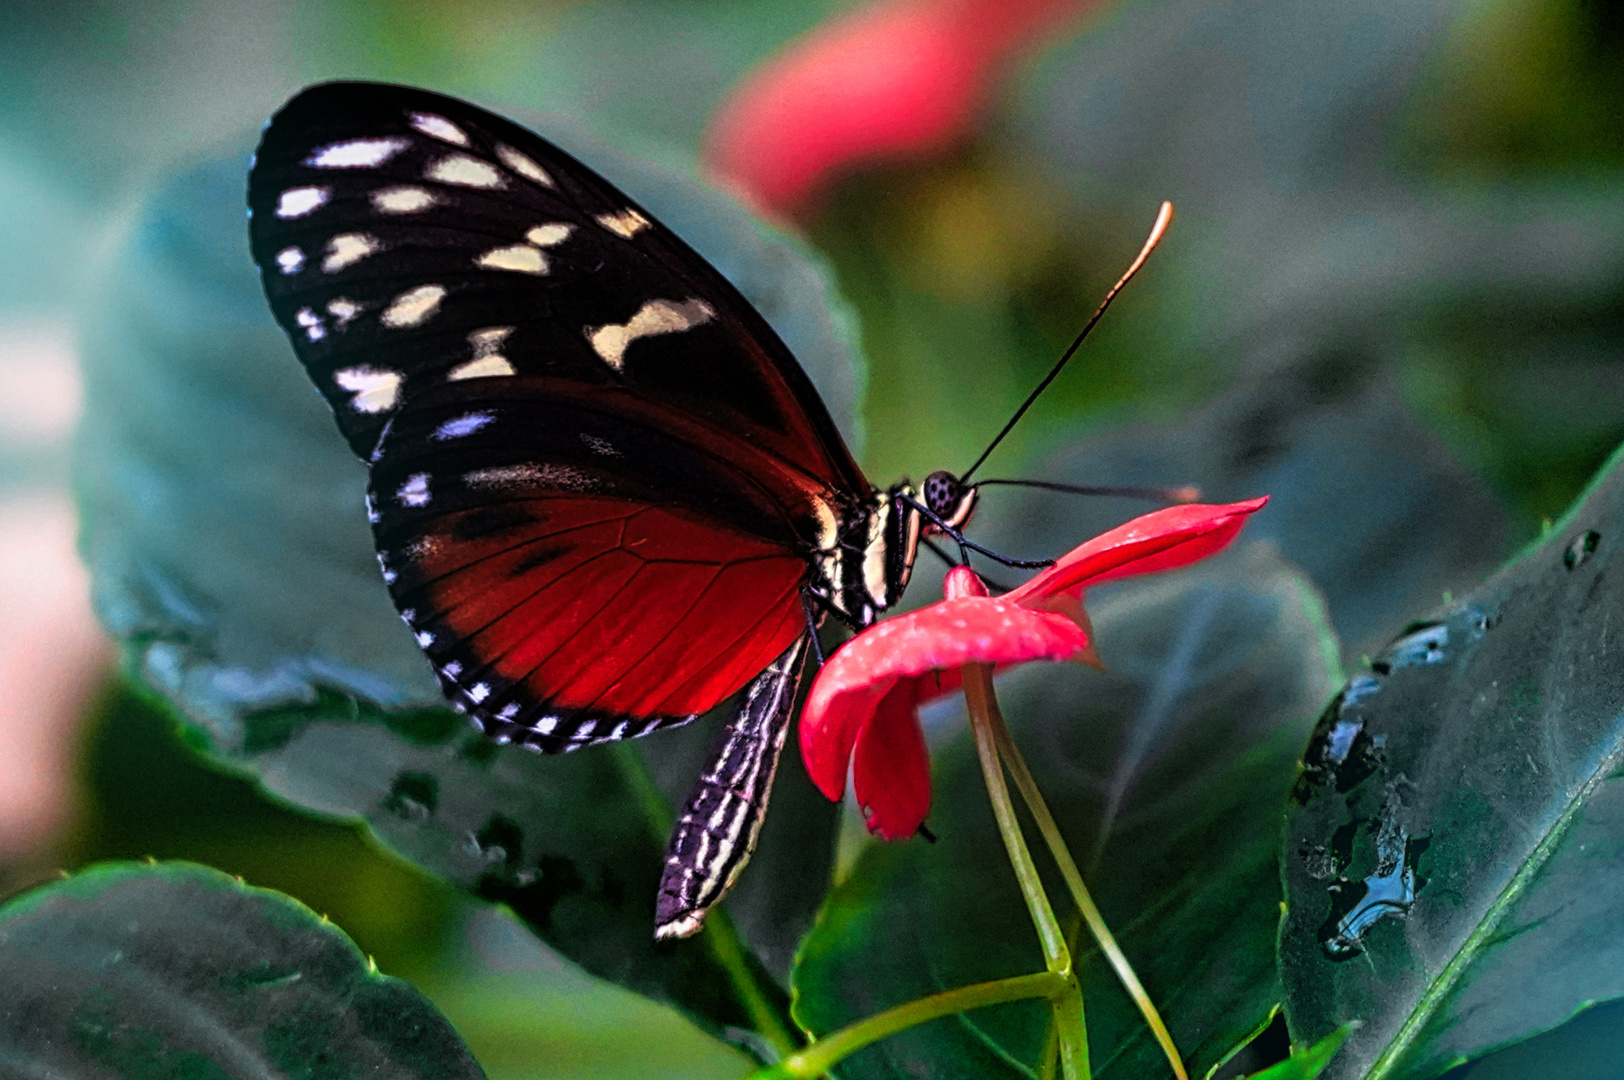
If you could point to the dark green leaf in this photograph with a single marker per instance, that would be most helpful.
(1168, 775)
(1454, 869)
(226, 534)
(178, 972)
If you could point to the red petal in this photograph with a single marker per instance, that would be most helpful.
(891, 767)
(1161, 540)
(917, 646)
(892, 80)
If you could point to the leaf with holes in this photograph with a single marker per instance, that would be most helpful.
(1168, 776)
(1454, 869)
(227, 536)
(179, 970)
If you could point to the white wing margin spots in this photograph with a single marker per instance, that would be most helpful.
(655, 317)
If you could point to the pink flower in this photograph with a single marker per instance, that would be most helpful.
(863, 712)
(889, 81)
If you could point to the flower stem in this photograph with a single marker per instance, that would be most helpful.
(820, 1056)
(1079, 892)
(985, 720)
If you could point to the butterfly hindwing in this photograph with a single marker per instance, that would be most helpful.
(571, 568)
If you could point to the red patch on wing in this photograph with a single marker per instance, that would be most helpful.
(615, 606)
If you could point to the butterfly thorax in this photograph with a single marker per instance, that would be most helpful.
(865, 561)
(866, 565)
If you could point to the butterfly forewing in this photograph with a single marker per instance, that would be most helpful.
(406, 238)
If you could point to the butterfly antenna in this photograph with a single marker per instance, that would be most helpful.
(1163, 218)
(1188, 493)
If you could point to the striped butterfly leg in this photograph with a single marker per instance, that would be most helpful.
(718, 826)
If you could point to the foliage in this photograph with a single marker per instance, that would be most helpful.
(1391, 302)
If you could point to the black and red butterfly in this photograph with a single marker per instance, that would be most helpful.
(605, 496)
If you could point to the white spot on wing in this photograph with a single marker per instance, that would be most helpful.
(375, 389)
(313, 327)
(452, 670)
(509, 711)
(654, 317)
(484, 368)
(502, 477)
(547, 724)
(548, 235)
(438, 127)
(415, 491)
(403, 199)
(465, 171)
(523, 164)
(488, 360)
(347, 249)
(478, 692)
(290, 260)
(413, 307)
(299, 201)
(343, 309)
(522, 258)
(626, 224)
(356, 154)
(459, 426)
(424, 639)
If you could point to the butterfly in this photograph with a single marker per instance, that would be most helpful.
(605, 497)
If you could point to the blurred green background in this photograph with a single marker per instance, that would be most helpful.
(1422, 193)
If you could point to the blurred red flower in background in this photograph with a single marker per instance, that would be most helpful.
(895, 80)
(863, 711)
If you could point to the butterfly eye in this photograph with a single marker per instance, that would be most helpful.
(950, 500)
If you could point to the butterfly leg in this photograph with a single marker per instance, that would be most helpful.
(718, 826)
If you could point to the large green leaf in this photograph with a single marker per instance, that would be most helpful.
(225, 529)
(175, 970)
(1168, 775)
(1454, 870)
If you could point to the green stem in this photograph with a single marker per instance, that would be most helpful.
(1072, 1032)
(1079, 892)
(985, 721)
(822, 1055)
(978, 693)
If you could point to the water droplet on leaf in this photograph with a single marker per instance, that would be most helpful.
(1582, 547)
(1387, 892)
(413, 796)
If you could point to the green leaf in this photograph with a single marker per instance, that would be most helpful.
(1168, 775)
(1306, 1062)
(226, 534)
(1453, 871)
(178, 971)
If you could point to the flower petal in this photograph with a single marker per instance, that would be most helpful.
(891, 767)
(1161, 540)
(927, 646)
